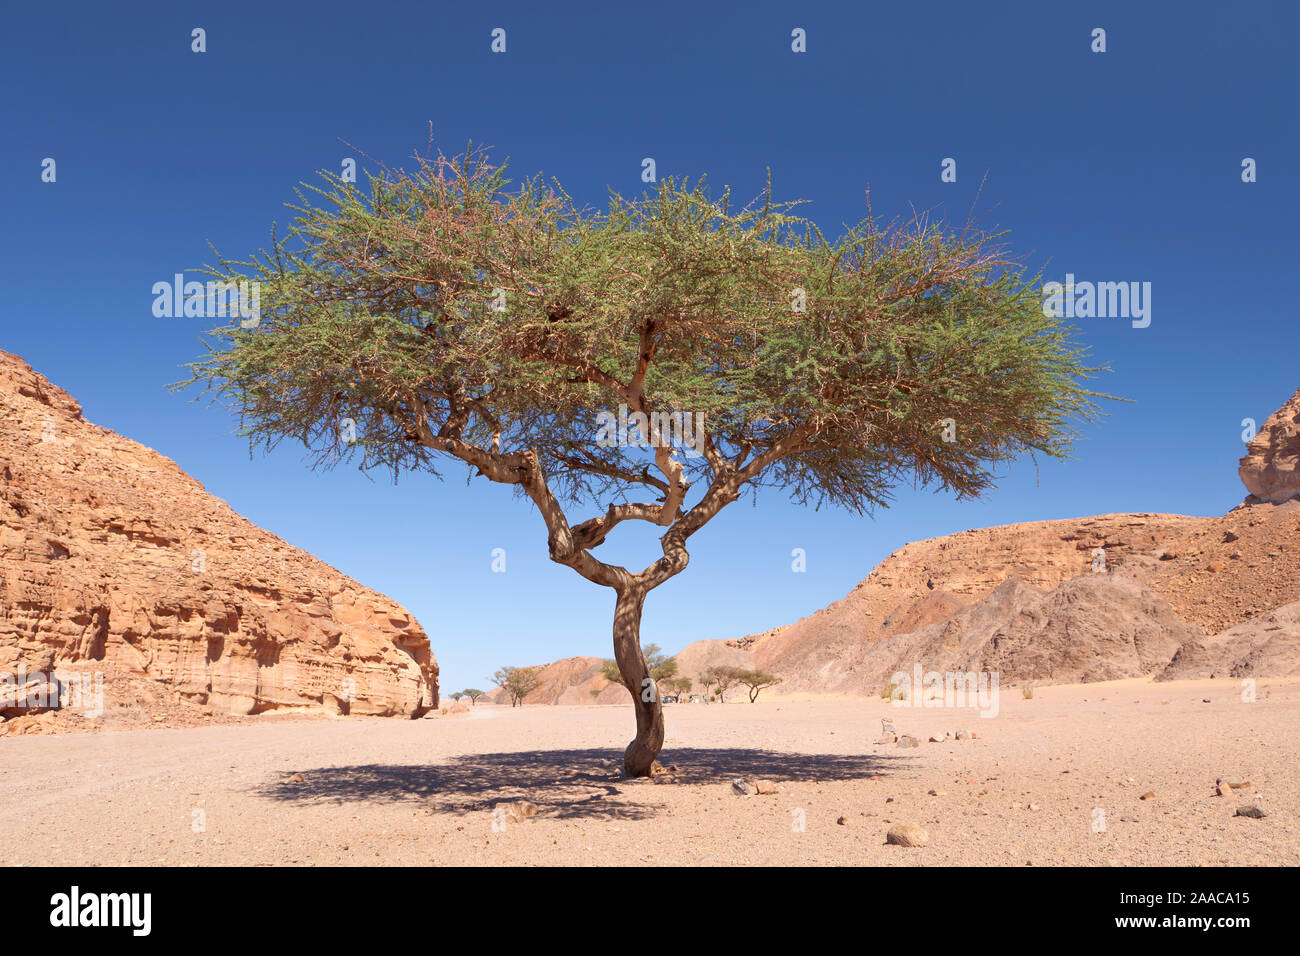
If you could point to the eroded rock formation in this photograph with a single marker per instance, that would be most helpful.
(110, 552)
(1271, 468)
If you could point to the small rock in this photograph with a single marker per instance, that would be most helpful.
(517, 811)
(766, 787)
(907, 740)
(1149, 795)
(1254, 812)
(743, 788)
(1034, 807)
(938, 793)
(1231, 783)
(936, 738)
(963, 735)
(296, 778)
(907, 834)
(842, 821)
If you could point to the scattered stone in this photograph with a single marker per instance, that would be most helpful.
(907, 740)
(1149, 795)
(936, 738)
(743, 788)
(938, 793)
(963, 735)
(907, 834)
(1231, 783)
(1034, 807)
(842, 821)
(517, 811)
(766, 787)
(1254, 812)
(296, 778)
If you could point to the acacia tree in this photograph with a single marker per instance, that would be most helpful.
(677, 685)
(442, 314)
(518, 682)
(473, 693)
(707, 678)
(659, 666)
(724, 678)
(755, 681)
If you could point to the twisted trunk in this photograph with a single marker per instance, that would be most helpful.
(639, 758)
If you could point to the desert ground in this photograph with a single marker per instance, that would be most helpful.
(1026, 790)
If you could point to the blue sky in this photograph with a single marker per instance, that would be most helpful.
(1120, 166)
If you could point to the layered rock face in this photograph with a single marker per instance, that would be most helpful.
(109, 552)
(1271, 468)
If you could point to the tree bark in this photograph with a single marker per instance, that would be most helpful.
(639, 758)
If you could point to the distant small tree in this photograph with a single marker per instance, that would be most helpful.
(726, 678)
(457, 696)
(707, 678)
(660, 666)
(518, 682)
(473, 693)
(676, 685)
(755, 680)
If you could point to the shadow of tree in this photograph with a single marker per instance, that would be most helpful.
(563, 783)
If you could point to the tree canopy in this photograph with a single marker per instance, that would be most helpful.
(445, 314)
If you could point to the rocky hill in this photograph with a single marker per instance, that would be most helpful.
(1083, 599)
(110, 553)
(574, 680)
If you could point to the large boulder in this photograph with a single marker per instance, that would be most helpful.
(1271, 468)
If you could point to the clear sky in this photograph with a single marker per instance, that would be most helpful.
(1117, 166)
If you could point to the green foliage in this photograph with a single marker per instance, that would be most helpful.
(518, 682)
(722, 677)
(659, 665)
(676, 685)
(754, 680)
(375, 308)
(473, 693)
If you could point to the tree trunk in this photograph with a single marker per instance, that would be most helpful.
(639, 758)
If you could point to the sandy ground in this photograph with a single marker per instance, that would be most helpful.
(422, 792)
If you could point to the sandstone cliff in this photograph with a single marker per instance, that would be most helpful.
(1270, 469)
(110, 553)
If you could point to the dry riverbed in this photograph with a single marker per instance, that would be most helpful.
(1058, 779)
